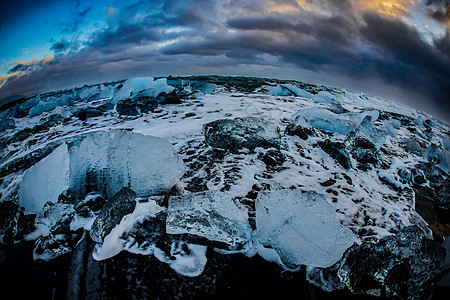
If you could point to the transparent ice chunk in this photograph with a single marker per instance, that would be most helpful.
(107, 161)
(45, 181)
(301, 227)
(212, 215)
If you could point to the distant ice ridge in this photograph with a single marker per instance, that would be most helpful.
(301, 227)
(148, 86)
(105, 162)
(323, 119)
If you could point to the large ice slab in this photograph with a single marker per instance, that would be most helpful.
(326, 120)
(212, 215)
(44, 181)
(107, 161)
(301, 227)
(104, 162)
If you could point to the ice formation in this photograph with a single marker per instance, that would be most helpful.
(105, 162)
(212, 215)
(289, 90)
(302, 228)
(145, 86)
(44, 181)
(326, 120)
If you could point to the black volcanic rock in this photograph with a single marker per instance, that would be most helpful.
(11, 215)
(238, 133)
(121, 204)
(87, 112)
(398, 266)
(337, 151)
(300, 131)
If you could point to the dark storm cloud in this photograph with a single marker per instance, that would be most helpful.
(203, 36)
(18, 68)
(439, 10)
(60, 46)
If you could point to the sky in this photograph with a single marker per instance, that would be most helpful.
(396, 49)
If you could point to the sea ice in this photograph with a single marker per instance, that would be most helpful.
(146, 85)
(324, 119)
(212, 215)
(301, 227)
(289, 90)
(107, 161)
(45, 181)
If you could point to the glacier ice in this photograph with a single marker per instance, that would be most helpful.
(289, 90)
(367, 131)
(107, 161)
(44, 181)
(104, 162)
(324, 119)
(301, 227)
(145, 86)
(212, 215)
(326, 98)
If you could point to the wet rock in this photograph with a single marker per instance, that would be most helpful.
(171, 98)
(414, 176)
(53, 224)
(136, 106)
(87, 112)
(238, 133)
(413, 146)
(46, 123)
(7, 122)
(273, 158)
(105, 107)
(397, 266)
(127, 108)
(300, 131)
(400, 266)
(337, 151)
(11, 214)
(121, 204)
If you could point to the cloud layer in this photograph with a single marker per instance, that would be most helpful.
(360, 40)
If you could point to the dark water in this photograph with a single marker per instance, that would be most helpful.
(129, 276)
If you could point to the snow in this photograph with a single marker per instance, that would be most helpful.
(212, 215)
(113, 244)
(187, 263)
(190, 263)
(45, 181)
(302, 228)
